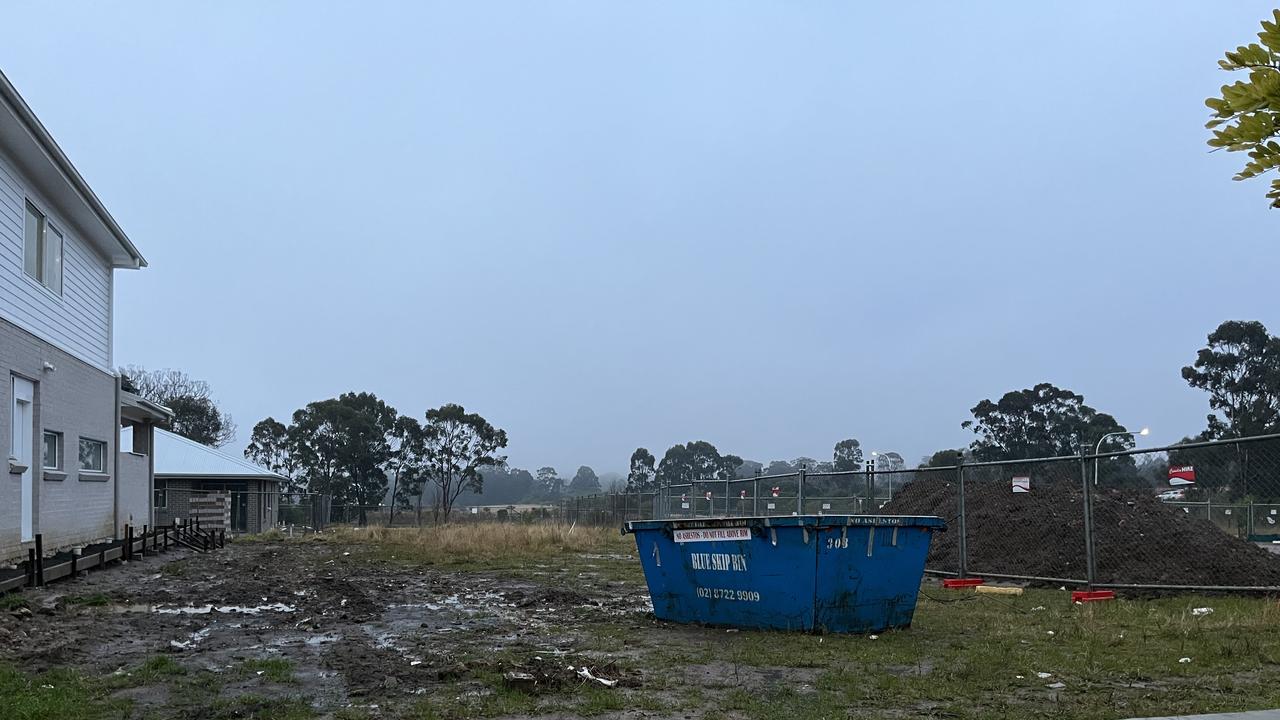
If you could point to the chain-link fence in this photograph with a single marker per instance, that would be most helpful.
(1190, 516)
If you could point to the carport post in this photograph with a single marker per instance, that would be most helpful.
(964, 543)
(1089, 569)
(143, 551)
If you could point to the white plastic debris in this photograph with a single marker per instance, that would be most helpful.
(345, 554)
(1019, 677)
(1050, 632)
(1037, 608)
(261, 671)
(873, 637)
(585, 673)
(1044, 675)
(1201, 611)
(47, 687)
(1184, 660)
(412, 663)
(1056, 686)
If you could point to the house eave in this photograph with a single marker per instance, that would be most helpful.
(38, 154)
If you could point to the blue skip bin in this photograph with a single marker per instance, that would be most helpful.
(835, 573)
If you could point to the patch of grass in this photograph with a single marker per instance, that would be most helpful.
(12, 601)
(273, 535)
(160, 666)
(482, 544)
(254, 707)
(177, 568)
(61, 693)
(94, 600)
(465, 700)
(276, 670)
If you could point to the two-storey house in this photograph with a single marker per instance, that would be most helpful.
(61, 405)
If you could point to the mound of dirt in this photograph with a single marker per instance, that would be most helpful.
(1137, 538)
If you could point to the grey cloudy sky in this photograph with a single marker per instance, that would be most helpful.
(769, 225)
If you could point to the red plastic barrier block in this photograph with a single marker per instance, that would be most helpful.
(954, 583)
(1092, 595)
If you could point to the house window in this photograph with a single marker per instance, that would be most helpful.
(42, 250)
(93, 455)
(51, 454)
(162, 494)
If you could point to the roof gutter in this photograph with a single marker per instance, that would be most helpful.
(60, 160)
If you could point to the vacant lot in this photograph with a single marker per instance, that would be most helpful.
(486, 621)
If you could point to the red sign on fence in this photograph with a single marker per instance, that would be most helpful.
(1182, 475)
(776, 490)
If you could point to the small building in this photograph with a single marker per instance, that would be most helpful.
(185, 469)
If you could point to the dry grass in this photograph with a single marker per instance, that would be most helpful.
(487, 543)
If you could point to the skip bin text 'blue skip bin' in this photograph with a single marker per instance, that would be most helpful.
(838, 573)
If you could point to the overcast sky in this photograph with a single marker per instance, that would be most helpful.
(769, 225)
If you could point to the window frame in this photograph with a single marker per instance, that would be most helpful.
(48, 267)
(102, 470)
(160, 494)
(59, 451)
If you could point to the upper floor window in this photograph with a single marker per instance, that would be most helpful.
(42, 250)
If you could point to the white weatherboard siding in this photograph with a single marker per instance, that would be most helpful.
(79, 321)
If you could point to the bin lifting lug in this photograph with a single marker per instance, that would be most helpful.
(773, 536)
(806, 535)
(656, 557)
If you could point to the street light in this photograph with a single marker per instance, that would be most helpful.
(1144, 432)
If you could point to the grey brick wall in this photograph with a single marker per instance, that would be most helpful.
(77, 400)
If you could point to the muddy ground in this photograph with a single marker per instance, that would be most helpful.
(291, 630)
(353, 630)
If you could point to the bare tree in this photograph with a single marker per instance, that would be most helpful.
(195, 414)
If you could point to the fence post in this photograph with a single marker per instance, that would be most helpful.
(869, 501)
(1089, 568)
(800, 494)
(31, 567)
(960, 521)
(39, 560)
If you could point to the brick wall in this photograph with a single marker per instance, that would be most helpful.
(77, 400)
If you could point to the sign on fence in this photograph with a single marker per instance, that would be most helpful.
(1022, 484)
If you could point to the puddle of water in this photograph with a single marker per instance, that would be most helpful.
(224, 609)
(191, 642)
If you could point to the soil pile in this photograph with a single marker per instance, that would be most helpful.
(1138, 539)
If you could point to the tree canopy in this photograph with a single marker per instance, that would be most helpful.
(1246, 116)
(1240, 369)
(643, 473)
(1043, 421)
(847, 456)
(585, 482)
(457, 445)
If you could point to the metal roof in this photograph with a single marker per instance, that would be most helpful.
(178, 457)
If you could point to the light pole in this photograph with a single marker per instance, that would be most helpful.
(1144, 431)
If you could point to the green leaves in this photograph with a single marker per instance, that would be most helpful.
(1247, 115)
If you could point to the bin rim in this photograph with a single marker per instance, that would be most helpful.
(807, 521)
